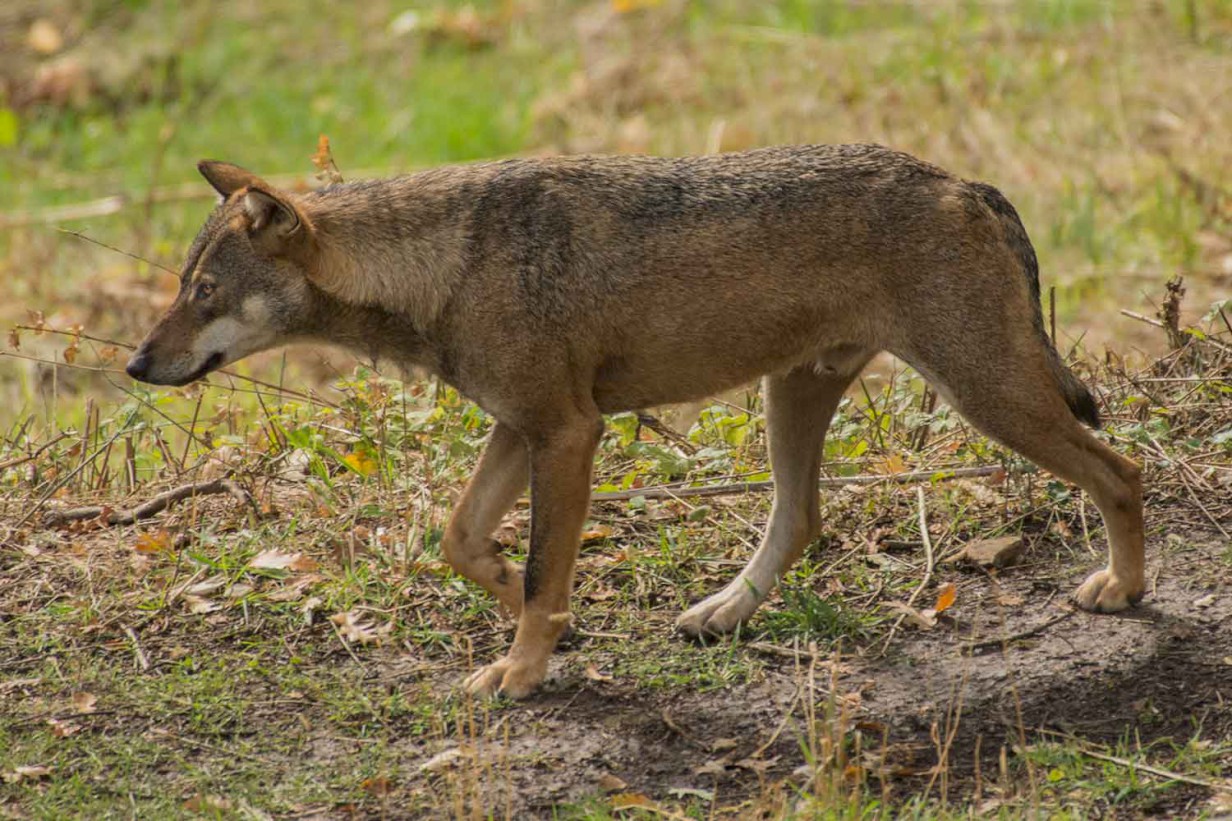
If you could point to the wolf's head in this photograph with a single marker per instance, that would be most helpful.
(243, 287)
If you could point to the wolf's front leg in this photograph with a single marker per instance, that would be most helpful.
(468, 545)
(561, 463)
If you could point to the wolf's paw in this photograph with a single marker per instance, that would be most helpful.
(719, 614)
(511, 676)
(1103, 592)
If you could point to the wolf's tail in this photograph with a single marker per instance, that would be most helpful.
(1076, 394)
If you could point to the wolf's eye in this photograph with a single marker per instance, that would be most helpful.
(204, 289)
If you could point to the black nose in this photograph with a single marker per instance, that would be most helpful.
(138, 365)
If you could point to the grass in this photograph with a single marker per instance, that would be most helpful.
(322, 677)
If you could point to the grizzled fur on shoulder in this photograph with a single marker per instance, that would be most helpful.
(552, 291)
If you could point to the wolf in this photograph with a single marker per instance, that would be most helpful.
(554, 291)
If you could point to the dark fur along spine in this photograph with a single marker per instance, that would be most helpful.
(1076, 394)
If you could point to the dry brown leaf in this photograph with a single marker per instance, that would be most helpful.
(377, 785)
(84, 702)
(626, 800)
(198, 605)
(275, 560)
(356, 628)
(596, 533)
(592, 673)
(207, 804)
(206, 587)
(63, 729)
(1010, 600)
(445, 759)
(157, 541)
(716, 766)
(28, 773)
(295, 588)
(611, 783)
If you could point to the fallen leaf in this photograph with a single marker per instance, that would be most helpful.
(592, 673)
(356, 628)
(722, 745)
(892, 465)
(199, 605)
(715, 766)
(444, 760)
(158, 541)
(31, 773)
(611, 783)
(277, 560)
(361, 462)
(295, 588)
(207, 804)
(84, 702)
(63, 729)
(204, 588)
(945, 598)
(757, 765)
(18, 683)
(625, 800)
(596, 533)
(377, 785)
(310, 607)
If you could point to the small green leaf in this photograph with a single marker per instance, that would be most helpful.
(8, 128)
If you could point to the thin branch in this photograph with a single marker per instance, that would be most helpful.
(21, 460)
(929, 560)
(121, 251)
(150, 508)
(734, 488)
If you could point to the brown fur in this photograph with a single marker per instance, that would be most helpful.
(553, 291)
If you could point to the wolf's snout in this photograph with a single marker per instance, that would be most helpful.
(138, 365)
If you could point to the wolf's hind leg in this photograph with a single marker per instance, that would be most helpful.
(799, 405)
(503, 473)
(1017, 401)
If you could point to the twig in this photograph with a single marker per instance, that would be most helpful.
(21, 460)
(1208, 340)
(345, 644)
(656, 425)
(141, 659)
(150, 508)
(1084, 749)
(929, 563)
(121, 251)
(972, 646)
(667, 492)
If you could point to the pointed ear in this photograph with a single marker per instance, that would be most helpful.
(276, 225)
(227, 178)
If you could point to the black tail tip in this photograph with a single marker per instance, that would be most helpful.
(1082, 403)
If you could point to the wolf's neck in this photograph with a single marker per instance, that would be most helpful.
(366, 330)
(397, 245)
